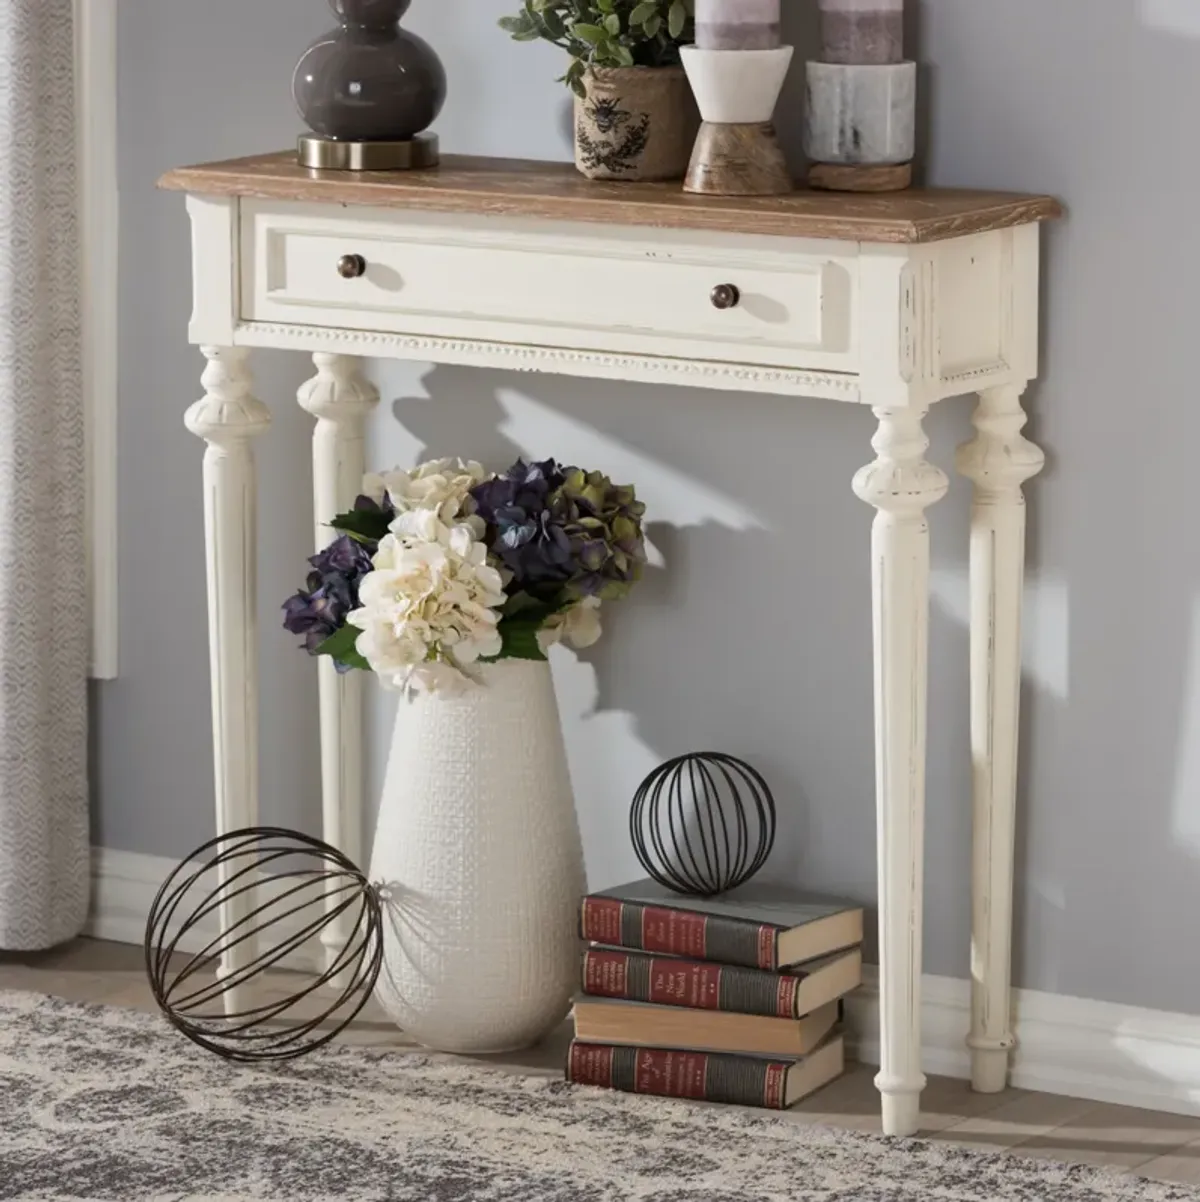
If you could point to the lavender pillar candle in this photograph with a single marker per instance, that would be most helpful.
(862, 32)
(737, 24)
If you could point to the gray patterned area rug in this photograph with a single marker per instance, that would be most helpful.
(98, 1103)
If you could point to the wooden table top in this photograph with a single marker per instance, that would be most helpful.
(556, 191)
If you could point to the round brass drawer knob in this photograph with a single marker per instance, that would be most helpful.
(726, 296)
(352, 267)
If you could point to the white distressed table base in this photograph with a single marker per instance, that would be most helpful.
(999, 461)
(228, 419)
(341, 399)
(896, 326)
(901, 484)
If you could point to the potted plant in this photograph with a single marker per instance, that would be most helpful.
(635, 116)
(451, 584)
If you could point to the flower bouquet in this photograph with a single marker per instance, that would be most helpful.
(440, 579)
(446, 566)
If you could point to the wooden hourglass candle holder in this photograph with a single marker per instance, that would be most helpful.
(737, 70)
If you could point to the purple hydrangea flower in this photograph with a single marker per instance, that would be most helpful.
(522, 531)
(319, 612)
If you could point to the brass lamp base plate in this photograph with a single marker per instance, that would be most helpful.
(325, 154)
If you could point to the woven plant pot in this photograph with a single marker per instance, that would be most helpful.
(636, 124)
(479, 854)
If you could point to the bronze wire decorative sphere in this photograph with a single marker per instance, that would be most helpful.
(703, 824)
(286, 888)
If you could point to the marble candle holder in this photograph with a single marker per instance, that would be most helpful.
(738, 24)
(860, 128)
(737, 152)
(862, 32)
(861, 115)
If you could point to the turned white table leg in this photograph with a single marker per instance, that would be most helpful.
(228, 419)
(999, 461)
(341, 399)
(901, 484)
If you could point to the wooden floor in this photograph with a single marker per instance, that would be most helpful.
(1150, 1144)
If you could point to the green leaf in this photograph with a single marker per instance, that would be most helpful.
(677, 19)
(520, 640)
(526, 604)
(606, 32)
(363, 524)
(516, 25)
(594, 35)
(554, 25)
(574, 78)
(343, 648)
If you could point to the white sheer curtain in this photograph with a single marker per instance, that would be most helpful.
(44, 872)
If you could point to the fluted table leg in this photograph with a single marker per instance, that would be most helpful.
(341, 400)
(229, 418)
(999, 461)
(901, 484)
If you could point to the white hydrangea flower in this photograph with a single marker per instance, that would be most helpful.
(430, 526)
(578, 626)
(440, 485)
(430, 608)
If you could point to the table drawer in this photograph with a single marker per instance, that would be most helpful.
(552, 284)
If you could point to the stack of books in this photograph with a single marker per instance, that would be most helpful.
(733, 999)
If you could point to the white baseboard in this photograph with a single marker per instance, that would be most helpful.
(124, 886)
(1106, 1052)
(1071, 1046)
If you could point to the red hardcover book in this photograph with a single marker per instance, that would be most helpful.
(702, 985)
(706, 1076)
(756, 926)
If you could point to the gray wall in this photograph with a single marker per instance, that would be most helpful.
(756, 638)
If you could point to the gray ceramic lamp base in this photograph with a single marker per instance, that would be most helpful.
(328, 154)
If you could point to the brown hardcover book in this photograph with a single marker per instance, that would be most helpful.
(706, 1076)
(702, 985)
(601, 1020)
(756, 926)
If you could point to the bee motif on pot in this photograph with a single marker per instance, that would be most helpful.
(607, 116)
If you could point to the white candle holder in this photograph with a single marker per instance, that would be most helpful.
(737, 152)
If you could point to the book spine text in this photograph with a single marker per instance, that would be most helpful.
(702, 1076)
(679, 933)
(698, 985)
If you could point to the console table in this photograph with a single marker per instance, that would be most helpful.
(892, 303)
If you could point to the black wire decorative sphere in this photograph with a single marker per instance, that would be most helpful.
(271, 892)
(702, 824)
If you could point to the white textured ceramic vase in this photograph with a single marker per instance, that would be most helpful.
(478, 850)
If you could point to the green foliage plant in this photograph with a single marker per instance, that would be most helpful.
(607, 33)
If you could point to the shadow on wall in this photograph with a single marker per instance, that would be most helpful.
(1172, 16)
(755, 639)
(1109, 847)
